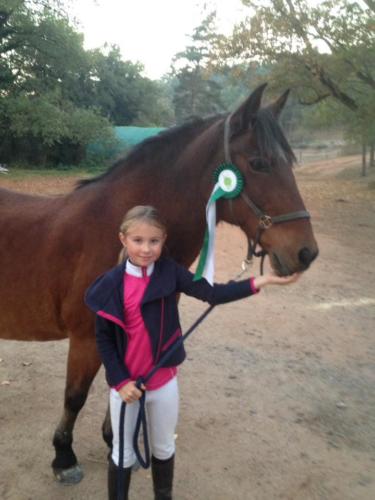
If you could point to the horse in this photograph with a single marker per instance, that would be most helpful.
(52, 248)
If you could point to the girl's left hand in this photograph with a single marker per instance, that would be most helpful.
(272, 279)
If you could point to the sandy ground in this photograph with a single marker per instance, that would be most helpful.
(277, 394)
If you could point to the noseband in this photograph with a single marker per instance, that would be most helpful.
(264, 221)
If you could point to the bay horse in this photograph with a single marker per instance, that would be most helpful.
(52, 248)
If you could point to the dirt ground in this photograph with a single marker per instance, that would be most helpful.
(277, 394)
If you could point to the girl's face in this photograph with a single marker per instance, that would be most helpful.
(143, 242)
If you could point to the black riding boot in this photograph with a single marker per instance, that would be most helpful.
(162, 477)
(113, 480)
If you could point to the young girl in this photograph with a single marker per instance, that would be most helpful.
(137, 321)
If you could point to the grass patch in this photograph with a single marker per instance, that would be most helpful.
(26, 173)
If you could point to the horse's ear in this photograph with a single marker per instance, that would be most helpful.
(246, 112)
(277, 106)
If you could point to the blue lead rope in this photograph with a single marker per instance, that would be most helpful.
(121, 472)
(142, 423)
(145, 460)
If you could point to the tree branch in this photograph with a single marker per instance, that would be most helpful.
(311, 102)
(319, 73)
(335, 90)
(370, 4)
(366, 78)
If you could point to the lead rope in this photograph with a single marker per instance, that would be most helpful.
(141, 422)
(120, 470)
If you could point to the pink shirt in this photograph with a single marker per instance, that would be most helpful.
(138, 356)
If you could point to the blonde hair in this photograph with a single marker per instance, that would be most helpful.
(140, 213)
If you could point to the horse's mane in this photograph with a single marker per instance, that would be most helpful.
(165, 147)
(160, 149)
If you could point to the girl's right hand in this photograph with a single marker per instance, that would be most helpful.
(129, 392)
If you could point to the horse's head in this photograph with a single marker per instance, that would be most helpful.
(270, 209)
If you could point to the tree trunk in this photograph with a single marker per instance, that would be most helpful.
(364, 159)
(372, 156)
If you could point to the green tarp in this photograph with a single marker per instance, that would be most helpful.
(125, 139)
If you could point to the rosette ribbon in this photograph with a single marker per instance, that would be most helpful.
(229, 184)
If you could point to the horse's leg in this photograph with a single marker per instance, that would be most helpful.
(83, 364)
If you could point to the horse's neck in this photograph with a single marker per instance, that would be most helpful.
(185, 182)
(179, 190)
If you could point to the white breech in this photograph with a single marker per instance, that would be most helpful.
(162, 414)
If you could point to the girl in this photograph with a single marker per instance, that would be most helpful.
(137, 322)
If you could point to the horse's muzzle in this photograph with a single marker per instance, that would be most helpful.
(307, 256)
(282, 267)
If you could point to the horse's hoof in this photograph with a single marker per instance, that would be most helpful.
(73, 475)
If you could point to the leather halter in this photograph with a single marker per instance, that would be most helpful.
(264, 221)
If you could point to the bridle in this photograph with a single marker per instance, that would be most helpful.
(264, 221)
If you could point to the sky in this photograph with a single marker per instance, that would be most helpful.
(149, 31)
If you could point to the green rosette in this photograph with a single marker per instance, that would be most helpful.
(230, 180)
(229, 183)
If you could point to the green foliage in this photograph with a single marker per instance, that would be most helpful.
(42, 58)
(323, 51)
(206, 79)
(196, 91)
(123, 94)
(55, 97)
(38, 117)
(49, 120)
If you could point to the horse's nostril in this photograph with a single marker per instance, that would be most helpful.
(306, 256)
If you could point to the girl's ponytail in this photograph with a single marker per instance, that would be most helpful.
(122, 256)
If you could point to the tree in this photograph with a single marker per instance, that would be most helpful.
(29, 27)
(55, 97)
(324, 51)
(42, 61)
(124, 96)
(197, 91)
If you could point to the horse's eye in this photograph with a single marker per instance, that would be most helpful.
(259, 165)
